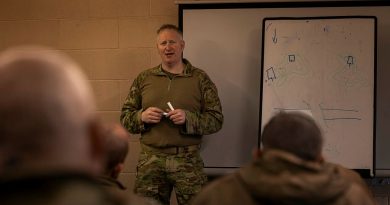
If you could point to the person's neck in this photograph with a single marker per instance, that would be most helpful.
(177, 68)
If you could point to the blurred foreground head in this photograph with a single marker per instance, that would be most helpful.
(294, 132)
(47, 113)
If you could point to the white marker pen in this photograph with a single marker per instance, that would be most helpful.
(170, 105)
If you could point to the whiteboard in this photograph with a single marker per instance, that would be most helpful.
(324, 67)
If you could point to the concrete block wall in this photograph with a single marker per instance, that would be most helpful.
(113, 40)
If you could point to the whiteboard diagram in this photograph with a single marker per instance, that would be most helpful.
(324, 66)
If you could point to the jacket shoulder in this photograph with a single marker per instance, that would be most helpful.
(227, 190)
(145, 73)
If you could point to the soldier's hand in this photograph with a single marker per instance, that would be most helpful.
(178, 116)
(152, 115)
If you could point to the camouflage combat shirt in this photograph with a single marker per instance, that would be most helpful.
(192, 91)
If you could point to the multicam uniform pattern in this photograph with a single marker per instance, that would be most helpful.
(192, 91)
(157, 171)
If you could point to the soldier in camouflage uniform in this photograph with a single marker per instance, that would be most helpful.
(171, 138)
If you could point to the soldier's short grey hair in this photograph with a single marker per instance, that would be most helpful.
(45, 106)
(295, 133)
(169, 27)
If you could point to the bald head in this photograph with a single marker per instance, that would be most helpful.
(295, 133)
(46, 109)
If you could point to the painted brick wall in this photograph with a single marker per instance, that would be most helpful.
(113, 40)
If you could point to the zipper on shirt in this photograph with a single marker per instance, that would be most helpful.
(169, 84)
(170, 77)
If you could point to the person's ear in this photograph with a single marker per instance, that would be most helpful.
(97, 148)
(183, 44)
(118, 169)
(321, 159)
(256, 153)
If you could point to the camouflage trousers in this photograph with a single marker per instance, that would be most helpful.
(159, 173)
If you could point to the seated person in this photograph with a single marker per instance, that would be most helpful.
(289, 169)
(50, 139)
(116, 141)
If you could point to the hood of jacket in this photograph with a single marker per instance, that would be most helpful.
(283, 178)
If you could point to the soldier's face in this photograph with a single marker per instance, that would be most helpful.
(170, 47)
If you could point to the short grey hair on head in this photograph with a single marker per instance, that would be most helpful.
(46, 103)
(293, 132)
(169, 27)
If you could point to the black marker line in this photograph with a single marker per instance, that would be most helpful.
(340, 109)
(342, 118)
